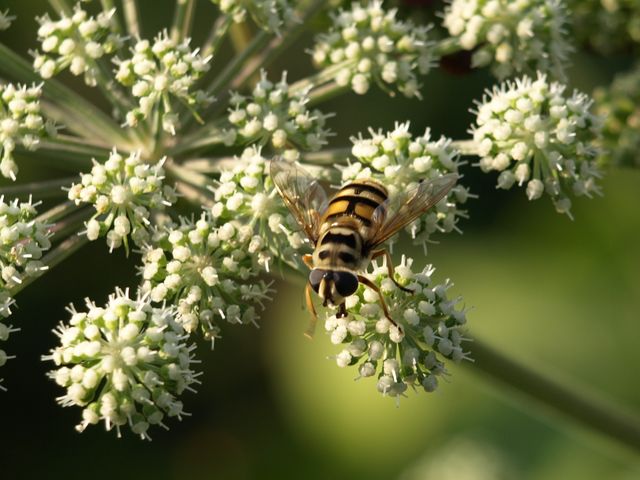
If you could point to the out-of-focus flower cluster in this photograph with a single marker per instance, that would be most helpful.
(275, 115)
(399, 161)
(21, 123)
(76, 42)
(608, 26)
(208, 272)
(23, 240)
(125, 363)
(158, 71)
(368, 44)
(619, 106)
(246, 193)
(124, 191)
(6, 20)
(269, 15)
(533, 134)
(519, 36)
(411, 354)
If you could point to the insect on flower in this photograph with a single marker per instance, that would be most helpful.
(347, 230)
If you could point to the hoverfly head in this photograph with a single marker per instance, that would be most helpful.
(333, 286)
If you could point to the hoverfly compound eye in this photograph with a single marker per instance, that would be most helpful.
(346, 283)
(315, 277)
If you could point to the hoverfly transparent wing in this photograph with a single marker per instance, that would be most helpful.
(402, 209)
(302, 194)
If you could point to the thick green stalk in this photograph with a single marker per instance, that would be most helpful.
(56, 213)
(131, 17)
(326, 92)
(466, 147)
(447, 46)
(38, 190)
(323, 76)
(327, 157)
(216, 36)
(571, 400)
(182, 20)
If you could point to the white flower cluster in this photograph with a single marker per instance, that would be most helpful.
(533, 134)
(511, 36)
(123, 191)
(375, 46)
(412, 355)
(247, 193)
(269, 15)
(399, 160)
(273, 114)
(21, 121)
(158, 71)
(5, 332)
(76, 42)
(125, 363)
(208, 272)
(23, 239)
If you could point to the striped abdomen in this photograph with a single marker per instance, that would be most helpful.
(345, 225)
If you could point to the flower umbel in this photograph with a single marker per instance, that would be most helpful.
(512, 36)
(413, 355)
(158, 72)
(208, 272)
(399, 161)
(124, 191)
(269, 15)
(76, 42)
(369, 44)
(535, 135)
(277, 116)
(125, 363)
(21, 123)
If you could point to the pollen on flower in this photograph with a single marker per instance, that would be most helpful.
(160, 71)
(431, 331)
(125, 363)
(76, 42)
(399, 160)
(21, 123)
(368, 44)
(208, 272)
(536, 136)
(124, 191)
(270, 15)
(275, 114)
(512, 37)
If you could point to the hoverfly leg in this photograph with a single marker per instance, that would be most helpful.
(384, 252)
(314, 316)
(308, 260)
(374, 287)
(342, 311)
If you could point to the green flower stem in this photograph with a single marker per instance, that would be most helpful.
(327, 157)
(465, 147)
(559, 395)
(65, 105)
(39, 190)
(68, 156)
(326, 92)
(322, 77)
(56, 213)
(209, 165)
(71, 224)
(279, 44)
(447, 46)
(131, 18)
(216, 36)
(230, 72)
(208, 136)
(193, 186)
(56, 256)
(61, 6)
(182, 20)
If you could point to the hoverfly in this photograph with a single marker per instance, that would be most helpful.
(347, 229)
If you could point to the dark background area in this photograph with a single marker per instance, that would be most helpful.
(562, 296)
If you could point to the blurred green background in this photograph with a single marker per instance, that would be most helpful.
(562, 296)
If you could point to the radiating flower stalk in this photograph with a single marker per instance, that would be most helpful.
(178, 172)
